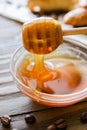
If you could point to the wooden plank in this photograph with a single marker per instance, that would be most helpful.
(17, 103)
(9, 30)
(7, 89)
(49, 116)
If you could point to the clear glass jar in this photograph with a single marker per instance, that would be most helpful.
(70, 49)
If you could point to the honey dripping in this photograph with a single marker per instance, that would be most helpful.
(40, 37)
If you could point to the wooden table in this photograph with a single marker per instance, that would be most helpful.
(17, 105)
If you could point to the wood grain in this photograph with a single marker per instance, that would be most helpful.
(17, 105)
(49, 116)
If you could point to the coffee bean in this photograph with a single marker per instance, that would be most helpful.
(5, 120)
(51, 127)
(61, 124)
(83, 117)
(30, 119)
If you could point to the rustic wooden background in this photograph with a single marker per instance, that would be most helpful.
(17, 105)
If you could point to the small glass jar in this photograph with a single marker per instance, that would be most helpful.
(70, 49)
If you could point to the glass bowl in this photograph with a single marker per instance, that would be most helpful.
(70, 49)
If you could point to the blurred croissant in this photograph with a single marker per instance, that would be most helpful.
(78, 16)
(51, 5)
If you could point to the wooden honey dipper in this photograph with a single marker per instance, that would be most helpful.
(43, 35)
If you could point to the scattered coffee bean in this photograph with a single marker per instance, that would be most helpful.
(51, 127)
(83, 117)
(5, 120)
(30, 119)
(61, 124)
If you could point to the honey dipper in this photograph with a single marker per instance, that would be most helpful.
(43, 35)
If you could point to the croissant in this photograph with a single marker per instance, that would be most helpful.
(78, 16)
(51, 5)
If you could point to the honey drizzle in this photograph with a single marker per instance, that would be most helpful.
(39, 62)
(38, 67)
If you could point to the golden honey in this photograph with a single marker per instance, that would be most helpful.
(52, 75)
(58, 76)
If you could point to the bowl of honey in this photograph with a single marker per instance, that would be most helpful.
(56, 79)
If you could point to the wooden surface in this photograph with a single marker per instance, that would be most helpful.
(17, 105)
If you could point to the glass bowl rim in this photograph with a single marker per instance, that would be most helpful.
(61, 98)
